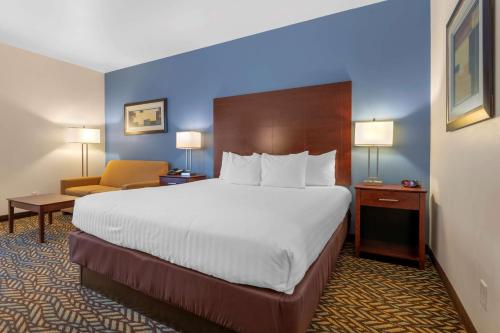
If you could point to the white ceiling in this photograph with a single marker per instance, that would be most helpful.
(105, 35)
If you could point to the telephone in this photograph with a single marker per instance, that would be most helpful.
(175, 171)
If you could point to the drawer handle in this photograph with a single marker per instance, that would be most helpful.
(171, 183)
(388, 200)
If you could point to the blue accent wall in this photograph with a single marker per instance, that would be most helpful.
(384, 49)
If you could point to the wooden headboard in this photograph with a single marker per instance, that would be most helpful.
(315, 118)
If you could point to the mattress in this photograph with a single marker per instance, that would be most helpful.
(259, 236)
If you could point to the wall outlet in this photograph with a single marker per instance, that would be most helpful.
(483, 294)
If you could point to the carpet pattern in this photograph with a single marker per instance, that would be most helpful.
(39, 292)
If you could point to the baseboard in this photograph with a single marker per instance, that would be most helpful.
(462, 313)
(19, 215)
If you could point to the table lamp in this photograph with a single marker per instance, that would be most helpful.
(84, 136)
(373, 134)
(188, 140)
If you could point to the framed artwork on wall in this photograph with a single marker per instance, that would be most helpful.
(145, 117)
(470, 67)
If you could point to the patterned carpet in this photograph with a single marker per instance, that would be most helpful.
(39, 292)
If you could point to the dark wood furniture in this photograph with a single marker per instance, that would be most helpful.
(178, 179)
(404, 204)
(317, 119)
(40, 204)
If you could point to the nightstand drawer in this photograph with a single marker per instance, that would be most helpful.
(389, 199)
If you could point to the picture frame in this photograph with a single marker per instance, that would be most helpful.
(145, 117)
(470, 64)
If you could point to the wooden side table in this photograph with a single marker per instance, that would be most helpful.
(178, 179)
(398, 201)
(40, 204)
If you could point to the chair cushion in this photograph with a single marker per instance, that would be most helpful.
(122, 172)
(80, 191)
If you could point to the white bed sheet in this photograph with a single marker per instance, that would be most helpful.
(260, 236)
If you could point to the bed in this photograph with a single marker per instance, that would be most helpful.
(214, 257)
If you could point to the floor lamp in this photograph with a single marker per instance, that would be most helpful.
(84, 136)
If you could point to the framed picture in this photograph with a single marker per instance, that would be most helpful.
(470, 68)
(146, 117)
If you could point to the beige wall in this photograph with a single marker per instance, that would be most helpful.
(465, 188)
(39, 97)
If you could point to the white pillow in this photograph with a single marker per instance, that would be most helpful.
(321, 169)
(284, 170)
(243, 170)
(224, 165)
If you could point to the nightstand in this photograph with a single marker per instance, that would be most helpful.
(178, 179)
(390, 221)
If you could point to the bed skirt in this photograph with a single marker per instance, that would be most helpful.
(194, 302)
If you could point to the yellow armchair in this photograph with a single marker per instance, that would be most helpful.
(132, 186)
(77, 182)
(118, 175)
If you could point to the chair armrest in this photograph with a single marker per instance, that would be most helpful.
(80, 181)
(132, 186)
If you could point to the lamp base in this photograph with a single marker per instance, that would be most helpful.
(373, 181)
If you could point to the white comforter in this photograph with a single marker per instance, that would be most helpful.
(260, 236)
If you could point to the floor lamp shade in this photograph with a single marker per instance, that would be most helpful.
(83, 136)
(373, 134)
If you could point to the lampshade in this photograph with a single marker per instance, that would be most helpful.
(83, 135)
(188, 140)
(374, 133)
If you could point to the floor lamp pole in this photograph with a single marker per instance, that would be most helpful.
(83, 174)
(87, 159)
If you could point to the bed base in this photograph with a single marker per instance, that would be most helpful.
(241, 308)
(151, 307)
